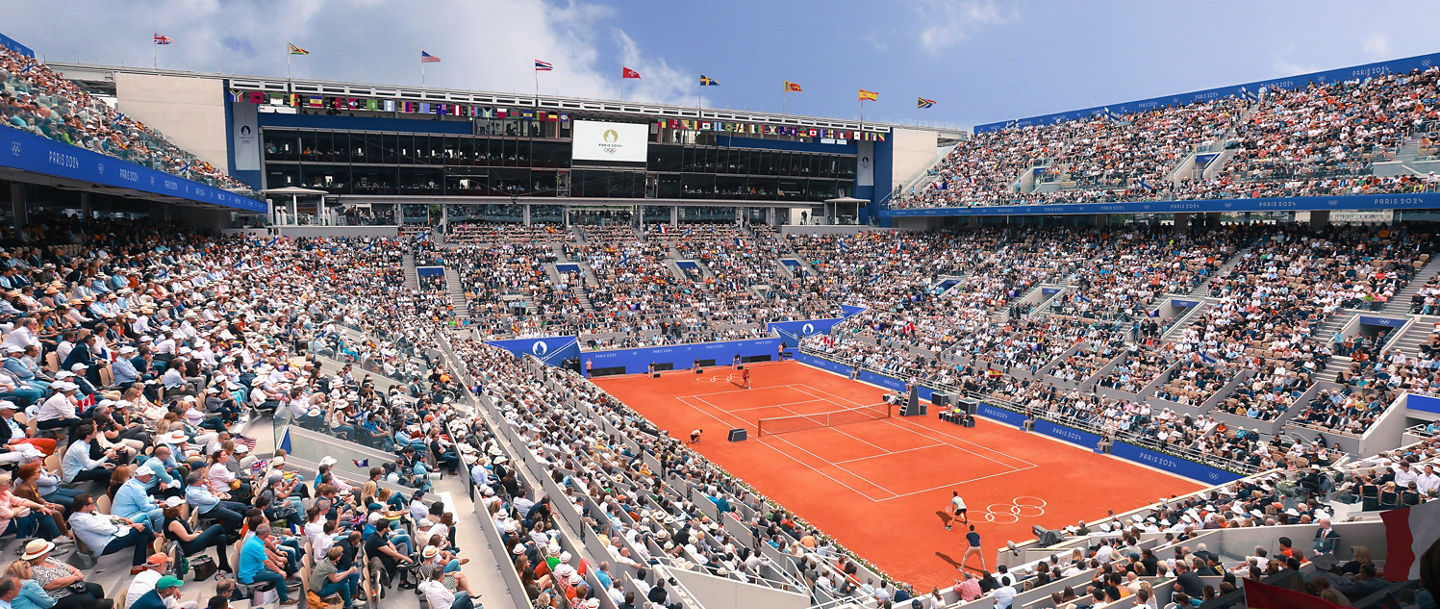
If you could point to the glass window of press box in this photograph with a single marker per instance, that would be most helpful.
(515, 158)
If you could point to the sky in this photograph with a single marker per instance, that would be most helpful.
(980, 60)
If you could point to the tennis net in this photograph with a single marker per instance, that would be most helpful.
(770, 426)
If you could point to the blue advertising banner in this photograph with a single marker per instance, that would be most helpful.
(945, 285)
(797, 330)
(1000, 414)
(1248, 90)
(849, 310)
(32, 153)
(430, 271)
(1174, 465)
(822, 363)
(1388, 322)
(681, 356)
(552, 350)
(566, 267)
(1423, 403)
(1049, 291)
(1417, 200)
(1183, 303)
(1074, 436)
(14, 45)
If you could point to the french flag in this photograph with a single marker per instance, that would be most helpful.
(1408, 533)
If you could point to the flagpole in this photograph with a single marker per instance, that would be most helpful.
(154, 51)
(422, 74)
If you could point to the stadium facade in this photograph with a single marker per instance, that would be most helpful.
(519, 158)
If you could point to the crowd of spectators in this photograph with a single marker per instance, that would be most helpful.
(38, 100)
(1318, 140)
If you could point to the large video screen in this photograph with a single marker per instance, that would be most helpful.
(615, 142)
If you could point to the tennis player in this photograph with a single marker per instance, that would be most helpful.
(695, 436)
(972, 541)
(958, 505)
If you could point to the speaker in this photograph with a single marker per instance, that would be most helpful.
(971, 406)
(699, 371)
(940, 399)
(654, 375)
(737, 434)
(740, 367)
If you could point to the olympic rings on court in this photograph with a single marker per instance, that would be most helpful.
(1024, 506)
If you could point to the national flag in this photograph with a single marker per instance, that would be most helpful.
(921, 102)
(1408, 533)
(294, 50)
(739, 242)
(162, 39)
(992, 373)
(27, 69)
(1146, 185)
(543, 66)
(664, 229)
(368, 247)
(706, 81)
(361, 462)
(869, 95)
(1265, 596)
(792, 87)
(628, 73)
(428, 58)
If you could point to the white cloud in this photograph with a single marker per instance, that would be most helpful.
(1378, 45)
(950, 21)
(484, 44)
(658, 80)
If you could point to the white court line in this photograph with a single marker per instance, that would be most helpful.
(790, 387)
(927, 429)
(813, 469)
(827, 461)
(973, 453)
(954, 484)
(682, 400)
(893, 452)
(710, 414)
(778, 405)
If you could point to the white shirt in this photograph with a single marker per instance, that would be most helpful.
(144, 582)
(1427, 482)
(1004, 597)
(436, 594)
(957, 502)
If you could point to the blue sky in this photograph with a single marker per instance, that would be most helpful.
(982, 60)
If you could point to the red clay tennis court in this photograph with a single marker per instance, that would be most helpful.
(880, 485)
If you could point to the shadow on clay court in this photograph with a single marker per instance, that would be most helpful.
(946, 557)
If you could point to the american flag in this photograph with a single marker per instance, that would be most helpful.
(543, 66)
(428, 58)
(162, 39)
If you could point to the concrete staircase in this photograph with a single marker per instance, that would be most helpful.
(1329, 327)
(412, 278)
(454, 287)
(1400, 303)
(1196, 312)
(1203, 289)
(1418, 332)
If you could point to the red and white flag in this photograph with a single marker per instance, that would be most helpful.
(1408, 533)
(628, 73)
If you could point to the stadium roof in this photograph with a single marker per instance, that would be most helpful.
(98, 74)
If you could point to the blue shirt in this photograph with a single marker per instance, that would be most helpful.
(131, 500)
(252, 559)
(32, 596)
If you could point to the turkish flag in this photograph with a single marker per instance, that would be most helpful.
(628, 73)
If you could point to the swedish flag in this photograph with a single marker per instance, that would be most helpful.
(706, 81)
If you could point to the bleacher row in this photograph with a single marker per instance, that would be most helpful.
(1319, 140)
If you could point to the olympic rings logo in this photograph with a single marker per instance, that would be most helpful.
(1024, 506)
